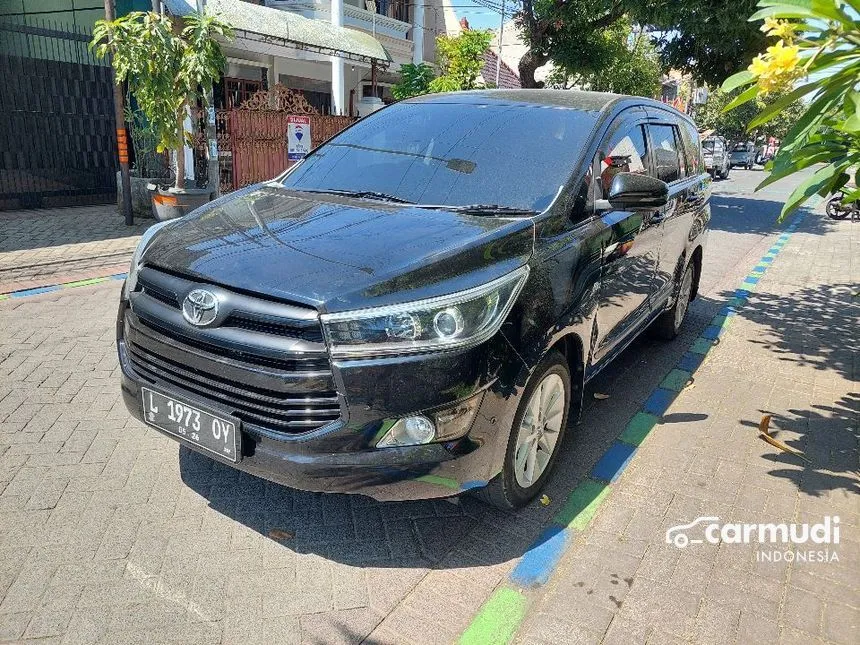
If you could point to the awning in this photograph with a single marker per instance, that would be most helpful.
(261, 24)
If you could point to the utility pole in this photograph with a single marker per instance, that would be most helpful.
(212, 170)
(501, 36)
(121, 136)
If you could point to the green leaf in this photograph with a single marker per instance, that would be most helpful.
(744, 97)
(811, 186)
(782, 12)
(738, 80)
(771, 110)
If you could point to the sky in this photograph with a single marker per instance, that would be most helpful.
(479, 17)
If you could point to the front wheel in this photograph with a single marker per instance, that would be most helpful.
(668, 325)
(536, 436)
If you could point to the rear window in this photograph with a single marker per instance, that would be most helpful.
(453, 154)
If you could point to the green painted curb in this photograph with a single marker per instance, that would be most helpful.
(675, 380)
(498, 620)
(582, 504)
(639, 427)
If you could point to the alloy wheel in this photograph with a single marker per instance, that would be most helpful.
(539, 430)
(683, 297)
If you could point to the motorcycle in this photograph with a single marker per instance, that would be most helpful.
(837, 210)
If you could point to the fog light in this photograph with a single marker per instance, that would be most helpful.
(411, 431)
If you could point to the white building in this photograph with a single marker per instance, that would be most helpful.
(326, 48)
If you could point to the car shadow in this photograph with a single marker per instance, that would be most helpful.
(443, 533)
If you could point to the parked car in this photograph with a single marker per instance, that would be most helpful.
(716, 157)
(413, 310)
(743, 155)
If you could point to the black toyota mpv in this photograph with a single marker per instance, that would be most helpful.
(413, 310)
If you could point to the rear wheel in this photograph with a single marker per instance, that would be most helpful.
(835, 209)
(668, 325)
(536, 436)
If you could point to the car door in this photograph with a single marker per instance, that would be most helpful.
(630, 256)
(686, 194)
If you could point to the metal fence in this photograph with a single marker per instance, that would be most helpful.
(57, 137)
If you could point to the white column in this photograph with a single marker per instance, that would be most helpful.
(337, 84)
(418, 32)
(188, 126)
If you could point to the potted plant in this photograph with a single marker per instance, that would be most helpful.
(168, 66)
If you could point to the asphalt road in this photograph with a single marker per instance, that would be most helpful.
(108, 534)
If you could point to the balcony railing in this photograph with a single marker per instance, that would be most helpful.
(388, 17)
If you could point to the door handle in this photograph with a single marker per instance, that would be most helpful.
(608, 250)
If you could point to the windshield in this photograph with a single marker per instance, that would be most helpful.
(741, 147)
(453, 154)
(708, 144)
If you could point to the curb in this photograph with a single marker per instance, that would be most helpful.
(37, 291)
(500, 617)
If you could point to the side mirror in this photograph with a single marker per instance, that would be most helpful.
(631, 191)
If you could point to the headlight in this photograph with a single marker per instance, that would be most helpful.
(134, 267)
(457, 320)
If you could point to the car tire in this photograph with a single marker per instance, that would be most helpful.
(668, 324)
(512, 489)
(725, 175)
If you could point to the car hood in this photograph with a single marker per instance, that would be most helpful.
(337, 253)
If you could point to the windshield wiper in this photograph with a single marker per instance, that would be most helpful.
(483, 209)
(360, 194)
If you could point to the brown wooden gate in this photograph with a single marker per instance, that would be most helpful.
(252, 139)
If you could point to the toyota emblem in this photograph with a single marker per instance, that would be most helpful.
(200, 307)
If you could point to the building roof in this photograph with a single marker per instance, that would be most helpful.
(508, 78)
(259, 24)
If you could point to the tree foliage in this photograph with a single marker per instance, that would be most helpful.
(414, 80)
(733, 124)
(568, 32)
(710, 39)
(460, 59)
(632, 65)
(164, 65)
(817, 54)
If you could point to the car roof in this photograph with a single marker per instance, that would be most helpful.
(573, 99)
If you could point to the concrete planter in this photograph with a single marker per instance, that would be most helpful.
(141, 201)
(170, 203)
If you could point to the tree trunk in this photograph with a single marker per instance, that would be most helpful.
(529, 64)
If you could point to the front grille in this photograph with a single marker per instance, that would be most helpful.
(265, 362)
(256, 405)
(273, 327)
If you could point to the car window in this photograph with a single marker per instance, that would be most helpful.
(453, 154)
(692, 148)
(667, 167)
(624, 151)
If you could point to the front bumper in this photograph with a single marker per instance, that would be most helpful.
(341, 456)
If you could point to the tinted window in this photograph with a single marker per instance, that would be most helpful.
(453, 154)
(693, 148)
(666, 163)
(624, 151)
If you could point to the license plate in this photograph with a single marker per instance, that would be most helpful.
(215, 434)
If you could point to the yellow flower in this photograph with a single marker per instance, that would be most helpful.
(759, 65)
(784, 58)
(779, 28)
(777, 68)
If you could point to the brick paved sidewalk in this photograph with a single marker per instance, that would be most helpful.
(64, 244)
(790, 351)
